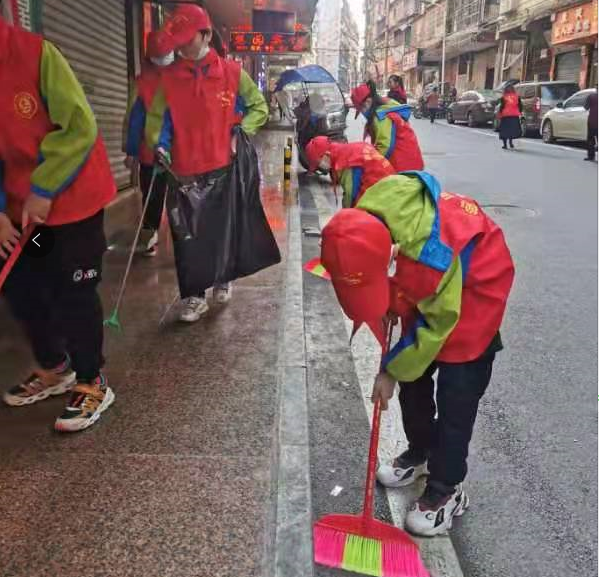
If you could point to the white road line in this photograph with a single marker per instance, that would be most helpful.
(439, 554)
(527, 141)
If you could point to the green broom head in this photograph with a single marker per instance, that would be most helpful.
(368, 547)
(113, 322)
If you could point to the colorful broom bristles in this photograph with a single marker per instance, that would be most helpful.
(368, 556)
(316, 268)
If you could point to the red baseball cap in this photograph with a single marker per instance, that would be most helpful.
(359, 95)
(316, 149)
(356, 251)
(184, 23)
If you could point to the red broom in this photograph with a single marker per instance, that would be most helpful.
(15, 254)
(362, 544)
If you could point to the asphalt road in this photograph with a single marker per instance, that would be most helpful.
(532, 480)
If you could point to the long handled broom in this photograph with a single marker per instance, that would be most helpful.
(15, 254)
(360, 543)
(113, 321)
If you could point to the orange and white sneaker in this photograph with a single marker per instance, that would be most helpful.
(86, 405)
(41, 385)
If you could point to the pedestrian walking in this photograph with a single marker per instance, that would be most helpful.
(591, 106)
(141, 130)
(510, 111)
(397, 90)
(356, 166)
(388, 127)
(54, 171)
(453, 274)
(432, 103)
(207, 100)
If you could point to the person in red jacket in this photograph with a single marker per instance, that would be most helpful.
(388, 127)
(206, 101)
(452, 278)
(54, 171)
(356, 165)
(510, 111)
(140, 130)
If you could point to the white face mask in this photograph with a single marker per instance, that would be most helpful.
(200, 56)
(164, 60)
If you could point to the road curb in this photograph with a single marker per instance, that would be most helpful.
(293, 534)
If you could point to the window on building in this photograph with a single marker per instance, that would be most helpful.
(408, 37)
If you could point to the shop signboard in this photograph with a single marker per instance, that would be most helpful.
(411, 60)
(575, 24)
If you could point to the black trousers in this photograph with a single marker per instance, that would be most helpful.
(55, 298)
(156, 205)
(433, 114)
(445, 440)
(591, 138)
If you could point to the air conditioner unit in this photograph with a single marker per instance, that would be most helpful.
(507, 6)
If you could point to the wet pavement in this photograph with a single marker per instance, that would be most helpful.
(177, 478)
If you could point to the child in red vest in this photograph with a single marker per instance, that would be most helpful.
(453, 275)
(206, 100)
(54, 171)
(141, 130)
(356, 165)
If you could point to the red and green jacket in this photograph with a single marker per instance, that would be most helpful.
(393, 137)
(140, 129)
(357, 166)
(453, 273)
(49, 141)
(200, 106)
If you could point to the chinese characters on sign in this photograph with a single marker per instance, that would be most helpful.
(575, 23)
(410, 60)
(269, 43)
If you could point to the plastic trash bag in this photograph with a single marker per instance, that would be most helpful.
(219, 228)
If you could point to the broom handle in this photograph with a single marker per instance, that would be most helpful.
(374, 444)
(15, 254)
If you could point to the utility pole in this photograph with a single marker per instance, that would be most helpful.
(386, 66)
(443, 48)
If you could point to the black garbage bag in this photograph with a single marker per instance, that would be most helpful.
(219, 228)
(255, 244)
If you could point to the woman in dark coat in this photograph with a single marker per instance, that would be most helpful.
(510, 110)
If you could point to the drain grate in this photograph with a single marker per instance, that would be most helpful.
(509, 210)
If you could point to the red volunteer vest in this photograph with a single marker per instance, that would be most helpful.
(362, 155)
(510, 107)
(406, 154)
(202, 98)
(148, 83)
(488, 274)
(25, 122)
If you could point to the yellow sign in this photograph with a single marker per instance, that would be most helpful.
(575, 24)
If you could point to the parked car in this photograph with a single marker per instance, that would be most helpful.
(568, 120)
(474, 107)
(538, 98)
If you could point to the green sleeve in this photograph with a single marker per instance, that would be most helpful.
(256, 108)
(383, 130)
(155, 120)
(64, 150)
(438, 316)
(346, 180)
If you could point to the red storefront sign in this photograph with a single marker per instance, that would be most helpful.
(269, 43)
(575, 25)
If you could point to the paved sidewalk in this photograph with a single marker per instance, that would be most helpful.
(179, 477)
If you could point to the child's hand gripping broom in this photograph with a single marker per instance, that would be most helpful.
(15, 254)
(360, 543)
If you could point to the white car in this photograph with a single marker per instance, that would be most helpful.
(568, 120)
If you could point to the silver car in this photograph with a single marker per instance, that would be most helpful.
(568, 120)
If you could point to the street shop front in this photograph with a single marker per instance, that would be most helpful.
(574, 41)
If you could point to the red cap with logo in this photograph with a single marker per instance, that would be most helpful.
(316, 149)
(359, 95)
(185, 22)
(356, 251)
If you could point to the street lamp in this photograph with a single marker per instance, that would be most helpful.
(444, 40)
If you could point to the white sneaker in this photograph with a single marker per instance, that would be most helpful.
(148, 241)
(222, 293)
(40, 386)
(192, 309)
(403, 472)
(433, 513)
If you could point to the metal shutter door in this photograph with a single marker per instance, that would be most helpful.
(92, 35)
(568, 66)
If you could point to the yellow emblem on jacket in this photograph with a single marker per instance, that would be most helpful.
(469, 207)
(226, 97)
(25, 105)
(353, 279)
